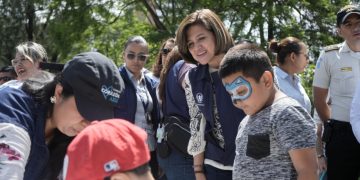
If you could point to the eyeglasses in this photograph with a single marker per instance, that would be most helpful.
(6, 78)
(165, 51)
(239, 89)
(14, 62)
(141, 57)
(306, 55)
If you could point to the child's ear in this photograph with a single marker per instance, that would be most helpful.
(268, 79)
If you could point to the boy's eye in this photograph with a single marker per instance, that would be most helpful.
(347, 24)
(242, 90)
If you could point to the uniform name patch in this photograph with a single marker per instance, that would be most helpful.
(346, 69)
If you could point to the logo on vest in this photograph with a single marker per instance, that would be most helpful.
(199, 98)
(110, 94)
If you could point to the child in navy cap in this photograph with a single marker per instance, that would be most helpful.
(31, 112)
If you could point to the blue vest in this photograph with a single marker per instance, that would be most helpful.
(126, 107)
(18, 108)
(230, 116)
(175, 100)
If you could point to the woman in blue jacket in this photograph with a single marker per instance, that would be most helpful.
(176, 165)
(87, 89)
(203, 39)
(138, 103)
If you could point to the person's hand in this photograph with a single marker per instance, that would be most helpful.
(200, 176)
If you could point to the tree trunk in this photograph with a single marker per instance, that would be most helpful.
(270, 17)
(30, 16)
(159, 25)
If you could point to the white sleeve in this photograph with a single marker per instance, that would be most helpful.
(322, 72)
(355, 113)
(197, 122)
(15, 145)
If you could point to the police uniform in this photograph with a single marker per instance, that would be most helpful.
(338, 69)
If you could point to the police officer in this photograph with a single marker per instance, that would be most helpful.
(337, 71)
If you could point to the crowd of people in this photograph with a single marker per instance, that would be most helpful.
(209, 109)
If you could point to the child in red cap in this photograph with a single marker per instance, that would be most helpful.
(110, 149)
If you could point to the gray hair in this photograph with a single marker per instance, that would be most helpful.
(36, 52)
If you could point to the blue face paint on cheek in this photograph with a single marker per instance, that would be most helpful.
(239, 89)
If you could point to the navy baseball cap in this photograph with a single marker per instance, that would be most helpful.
(345, 12)
(96, 83)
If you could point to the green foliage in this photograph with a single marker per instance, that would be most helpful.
(67, 27)
(110, 39)
(12, 30)
(307, 80)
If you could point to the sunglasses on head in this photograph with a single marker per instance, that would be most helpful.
(141, 57)
(165, 51)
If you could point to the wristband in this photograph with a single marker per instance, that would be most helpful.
(201, 171)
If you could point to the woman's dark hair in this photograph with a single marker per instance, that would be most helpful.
(135, 39)
(173, 57)
(157, 67)
(211, 22)
(41, 87)
(285, 47)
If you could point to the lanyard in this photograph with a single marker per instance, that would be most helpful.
(145, 102)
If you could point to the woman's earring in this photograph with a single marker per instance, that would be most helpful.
(53, 99)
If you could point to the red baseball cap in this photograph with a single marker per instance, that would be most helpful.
(104, 148)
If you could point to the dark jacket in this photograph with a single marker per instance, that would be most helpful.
(175, 100)
(19, 109)
(230, 116)
(126, 107)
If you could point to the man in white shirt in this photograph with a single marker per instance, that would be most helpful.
(355, 113)
(338, 70)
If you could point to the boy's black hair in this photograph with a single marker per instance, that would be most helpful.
(250, 60)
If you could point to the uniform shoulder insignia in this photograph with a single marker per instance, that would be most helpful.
(332, 47)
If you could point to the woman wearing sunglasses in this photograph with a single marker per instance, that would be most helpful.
(7, 73)
(138, 103)
(292, 58)
(203, 39)
(165, 48)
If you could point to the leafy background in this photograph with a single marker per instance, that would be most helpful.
(68, 27)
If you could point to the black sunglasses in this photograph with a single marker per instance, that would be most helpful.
(165, 51)
(141, 57)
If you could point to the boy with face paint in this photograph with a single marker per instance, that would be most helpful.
(276, 140)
